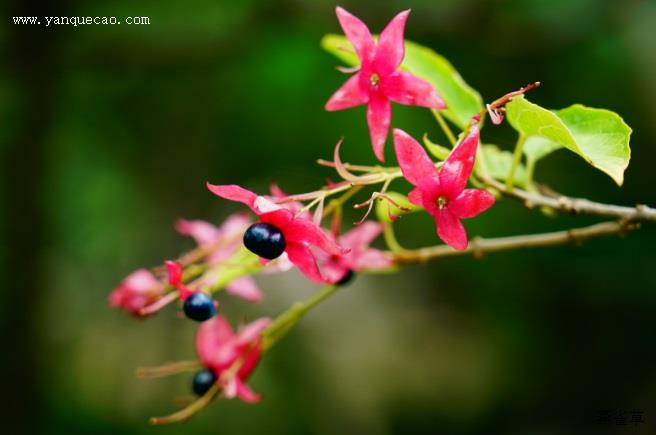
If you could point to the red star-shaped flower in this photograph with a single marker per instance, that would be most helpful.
(378, 81)
(443, 193)
(298, 232)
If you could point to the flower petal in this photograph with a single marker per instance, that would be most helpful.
(450, 229)
(372, 259)
(350, 94)
(280, 264)
(496, 115)
(245, 288)
(458, 166)
(235, 224)
(415, 164)
(333, 271)
(405, 88)
(204, 233)
(361, 235)
(306, 231)
(136, 291)
(471, 202)
(230, 388)
(302, 257)
(390, 48)
(279, 218)
(251, 332)
(379, 116)
(277, 192)
(264, 205)
(356, 32)
(245, 393)
(232, 192)
(250, 359)
(141, 280)
(213, 334)
(416, 197)
(232, 231)
(174, 270)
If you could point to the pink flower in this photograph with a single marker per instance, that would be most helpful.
(378, 82)
(223, 241)
(443, 194)
(298, 232)
(337, 268)
(232, 357)
(136, 291)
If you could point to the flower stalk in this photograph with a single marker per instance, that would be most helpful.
(517, 157)
(445, 127)
(282, 324)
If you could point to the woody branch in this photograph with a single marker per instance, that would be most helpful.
(479, 246)
(565, 204)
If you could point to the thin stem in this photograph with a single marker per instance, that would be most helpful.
(189, 411)
(365, 180)
(390, 237)
(530, 170)
(444, 126)
(479, 246)
(286, 321)
(384, 175)
(338, 202)
(168, 369)
(317, 193)
(350, 167)
(308, 207)
(565, 204)
(159, 303)
(372, 200)
(517, 157)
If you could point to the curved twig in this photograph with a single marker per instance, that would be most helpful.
(480, 246)
(565, 204)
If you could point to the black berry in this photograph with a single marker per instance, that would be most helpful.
(347, 278)
(203, 381)
(199, 307)
(264, 240)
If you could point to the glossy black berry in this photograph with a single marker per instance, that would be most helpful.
(264, 240)
(203, 381)
(199, 307)
(347, 278)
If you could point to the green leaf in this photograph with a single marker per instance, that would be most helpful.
(341, 48)
(532, 120)
(599, 136)
(603, 136)
(537, 147)
(462, 101)
(497, 164)
(438, 151)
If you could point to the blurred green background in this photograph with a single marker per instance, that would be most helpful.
(109, 133)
